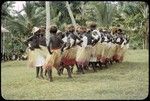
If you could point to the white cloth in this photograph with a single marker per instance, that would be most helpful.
(96, 34)
(71, 41)
(77, 41)
(93, 59)
(65, 39)
(124, 42)
(100, 35)
(39, 61)
(105, 38)
(84, 43)
(118, 40)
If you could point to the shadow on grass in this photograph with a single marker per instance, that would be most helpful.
(112, 72)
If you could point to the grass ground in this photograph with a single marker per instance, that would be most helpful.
(127, 80)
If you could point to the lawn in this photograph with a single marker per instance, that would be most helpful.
(126, 80)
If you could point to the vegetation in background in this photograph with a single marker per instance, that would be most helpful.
(133, 17)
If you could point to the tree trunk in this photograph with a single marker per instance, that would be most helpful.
(146, 35)
(147, 32)
(143, 44)
(70, 13)
(82, 8)
(4, 37)
(47, 3)
(3, 42)
(148, 42)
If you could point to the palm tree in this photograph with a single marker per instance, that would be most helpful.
(5, 13)
(6, 9)
(70, 13)
(101, 12)
(23, 24)
(47, 21)
(20, 26)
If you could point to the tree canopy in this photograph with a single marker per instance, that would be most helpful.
(133, 17)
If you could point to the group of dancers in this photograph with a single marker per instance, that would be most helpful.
(78, 46)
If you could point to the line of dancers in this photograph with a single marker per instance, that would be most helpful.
(79, 46)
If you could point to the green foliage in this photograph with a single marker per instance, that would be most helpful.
(131, 16)
(6, 9)
(136, 42)
(20, 26)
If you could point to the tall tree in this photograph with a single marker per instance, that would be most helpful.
(6, 9)
(47, 21)
(20, 25)
(70, 13)
(101, 12)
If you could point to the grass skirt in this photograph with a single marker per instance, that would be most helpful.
(99, 50)
(111, 51)
(94, 53)
(53, 60)
(83, 55)
(69, 56)
(120, 51)
(37, 56)
(104, 52)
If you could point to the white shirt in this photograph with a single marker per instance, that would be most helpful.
(96, 34)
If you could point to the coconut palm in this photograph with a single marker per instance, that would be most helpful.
(6, 9)
(20, 25)
(32, 16)
(101, 12)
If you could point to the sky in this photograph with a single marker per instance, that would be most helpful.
(18, 5)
